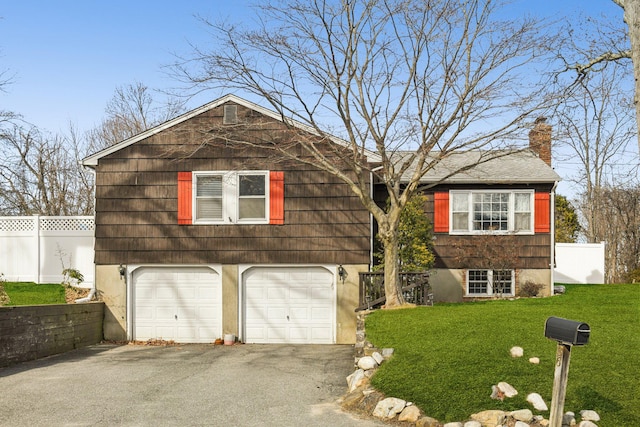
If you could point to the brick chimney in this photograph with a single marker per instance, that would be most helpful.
(540, 139)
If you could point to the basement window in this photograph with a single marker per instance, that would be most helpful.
(489, 282)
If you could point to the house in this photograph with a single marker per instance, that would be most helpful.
(198, 236)
(493, 222)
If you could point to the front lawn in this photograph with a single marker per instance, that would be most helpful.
(29, 293)
(448, 356)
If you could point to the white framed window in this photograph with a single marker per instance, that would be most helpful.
(499, 212)
(225, 197)
(489, 282)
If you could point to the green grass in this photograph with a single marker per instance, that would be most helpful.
(448, 356)
(29, 293)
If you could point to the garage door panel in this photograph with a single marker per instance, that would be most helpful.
(297, 294)
(286, 304)
(277, 314)
(320, 334)
(177, 303)
(320, 314)
(276, 334)
(300, 313)
(186, 313)
(299, 335)
(207, 313)
(277, 293)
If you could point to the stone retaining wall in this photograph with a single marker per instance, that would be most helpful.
(35, 331)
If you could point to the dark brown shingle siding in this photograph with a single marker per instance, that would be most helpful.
(136, 207)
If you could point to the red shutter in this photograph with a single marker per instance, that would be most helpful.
(441, 212)
(276, 197)
(542, 213)
(184, 198)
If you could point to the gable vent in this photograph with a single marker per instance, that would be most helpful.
(230, 115)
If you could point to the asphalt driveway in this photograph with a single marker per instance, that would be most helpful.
(188, 385)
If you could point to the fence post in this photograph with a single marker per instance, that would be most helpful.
(36, 232)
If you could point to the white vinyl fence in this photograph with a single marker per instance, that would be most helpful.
(37, 248)
(579, 263)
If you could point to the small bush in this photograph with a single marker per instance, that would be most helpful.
(530, 289)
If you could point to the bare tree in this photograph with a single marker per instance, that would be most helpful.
(624, 46)
(432, 77)
(620, 228)
(131, 110)
(596, 125)
(39, 173)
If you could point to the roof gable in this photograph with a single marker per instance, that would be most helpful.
(92, 160)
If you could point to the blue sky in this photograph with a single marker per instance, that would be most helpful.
(68, 57)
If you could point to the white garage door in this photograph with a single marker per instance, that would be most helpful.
(289, 305)
(179, 304)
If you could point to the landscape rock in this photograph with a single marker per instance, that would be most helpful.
(502, 390)
(537, 401)
(409, 414)
(352, 399)
(377, 357)
(569, 419)
(534, 360)
(588, 415)
(507, 389)
(356, 379)
(387, 353)
(587, 424)
(388, 408)
(541, 421)
(366, 363)
(524, 415)
(520, 424)
(491, 418)
(427, 422)
(472, 424)
(456, 424)
(516, 351)
(370, 401)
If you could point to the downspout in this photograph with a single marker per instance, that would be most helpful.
(552, 264)
(92, 291)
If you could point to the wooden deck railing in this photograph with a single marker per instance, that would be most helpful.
(415, 289)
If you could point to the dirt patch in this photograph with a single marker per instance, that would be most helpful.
(71, 293)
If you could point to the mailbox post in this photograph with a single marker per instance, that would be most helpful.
(567, 333)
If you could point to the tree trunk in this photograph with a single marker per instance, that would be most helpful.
(392, 285)
(632, 18)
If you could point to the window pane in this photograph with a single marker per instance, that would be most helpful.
(209, 186)
(209, 208)
(478, 281)
(459, 202)
(522, 202)
(522, 222)
(460, 221)
(502, 282)
(253, 208)
(490, 211)
(252, 185)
